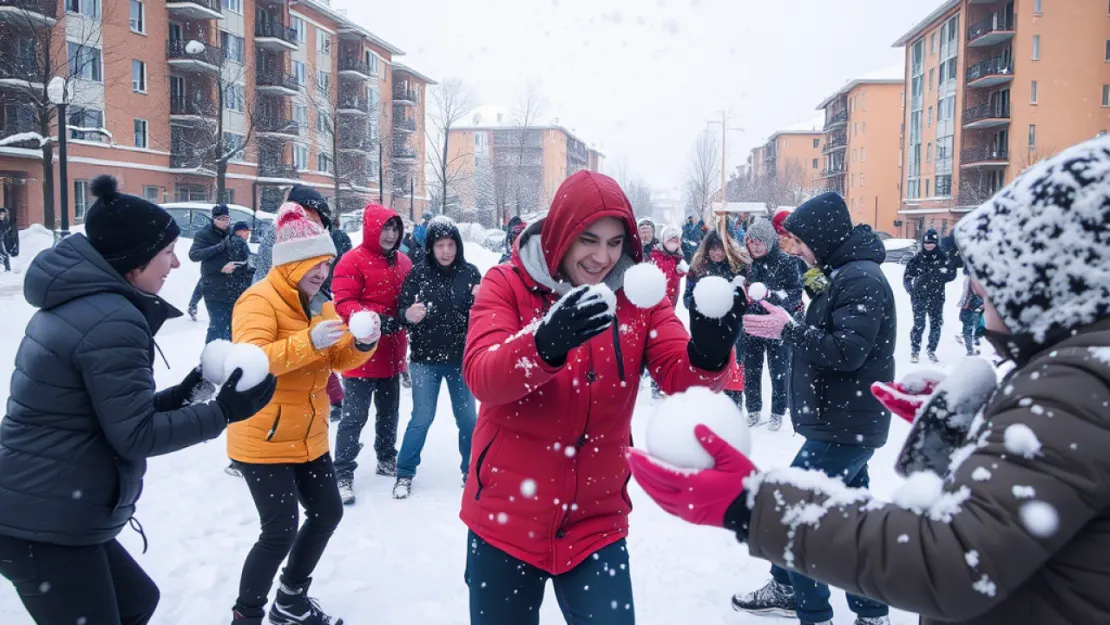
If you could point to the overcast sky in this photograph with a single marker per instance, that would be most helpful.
(638, 79)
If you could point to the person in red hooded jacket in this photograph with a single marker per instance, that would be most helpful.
(370, 277)
(668, 258)
(557, 372)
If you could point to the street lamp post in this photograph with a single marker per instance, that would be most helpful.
(58, 92)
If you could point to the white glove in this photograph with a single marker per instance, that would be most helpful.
(683, 267)
(327, 333)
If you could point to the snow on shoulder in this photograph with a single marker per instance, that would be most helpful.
(645, 285)
(670, 432)
(713, 296)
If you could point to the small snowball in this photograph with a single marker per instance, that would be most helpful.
(920, 491)
(1020, 439)
(917, 381)
(1040, 518)
(528, 488)
(365, 324)
(645, 285)
(713, 297)
(670, 433)
(1023, 492)
(972, 558)
(600, 292)
(757, 291)
(252, 360)
(212, 361)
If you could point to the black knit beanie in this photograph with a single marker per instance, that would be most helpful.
(220, 210)
(128, 231)
(311, 199)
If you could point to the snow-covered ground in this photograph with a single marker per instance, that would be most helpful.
(402, 561)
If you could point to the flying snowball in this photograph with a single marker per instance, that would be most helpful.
(757, 291)
(713, 297)
(645, 285)
(670, 433)
(212, 361)
(365, 324)
(1040, 518)
(194, 47)
(252, 360)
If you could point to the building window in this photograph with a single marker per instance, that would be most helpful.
(855, 128)
(84, 122)
(235, 6)
(816, 143)
(299, 72)
(150, 193)
(1037, 8)
(853, 155)
(932, 78)
(141, 139)
(863, 180)
(943, 187)
(1033, 92)
(323, 163)
(234, 47)
(323, 43)
(933, 44)
(927, 181)
(864, 127)
(1036, 47)
(88, 8)
(297, 24)
(863, 155)
(138, 76)
(853, 185)
(80, 199)
(323, 80)
(1106, 95)
(233, 144)
(190, 193)
(1032, 136)
(235, 97)
(138, 17)
(300, 157)
(323, 124)
(930, 117)
(1108, 49)
(300, 115)
(84, 62)
(815, 163)
(929, 153)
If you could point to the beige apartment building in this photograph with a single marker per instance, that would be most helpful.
(165, 93)
(788, 167)
(862, 146)
(992, 87)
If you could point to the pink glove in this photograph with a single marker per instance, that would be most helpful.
(700, 497)
(905, 399)
(768, 326)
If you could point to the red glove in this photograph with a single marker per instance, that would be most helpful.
(901, 400)
(699, 497)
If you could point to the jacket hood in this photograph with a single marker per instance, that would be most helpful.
(73, 269)
(861, 244)
(822, 223)
(582, 199)
(443, 228)
(374, 218)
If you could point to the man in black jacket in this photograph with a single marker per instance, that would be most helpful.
(212, 249)
(9, 239)
(927, 274)
(435, 304)
(845, 344)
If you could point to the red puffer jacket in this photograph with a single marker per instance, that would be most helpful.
(548, 478)
(366, 279)
(668, 263)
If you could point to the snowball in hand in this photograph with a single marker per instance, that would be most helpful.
(758, 291)
(365, 324)
(713, 297)
(670, 433)
(212, 361)
(645, 285)
(599, 292)
(252, 360)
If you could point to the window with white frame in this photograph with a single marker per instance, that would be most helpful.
(151, 193)
(234, 46)
(300, 115)
(299, 72)
(234, 145)
(323, 122)
(80, 199)
(1036, 47)
(235, 6)
(84, 122)
(1032, 136)
(297, 24)
(1108, 49)
(190, 193)
(142, 140)
(235, 97)
(138, 76)
(137, 21)
(300, 157)
(323, 163)
(323, 81)
(1033, 92)
(323, 43)
(1037, 6)
(863, 155)
(85, 62)
(88, 8)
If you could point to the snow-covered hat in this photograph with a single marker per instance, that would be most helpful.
(764, 232)
(670, 232)
(1041, 246)
(298, 237)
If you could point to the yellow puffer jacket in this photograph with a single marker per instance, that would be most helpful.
(293, 427)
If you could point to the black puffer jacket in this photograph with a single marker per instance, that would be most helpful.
(212, 249)
(778, 271)
(447, 293)
(847, 339)
(927, 273)
(83, 415)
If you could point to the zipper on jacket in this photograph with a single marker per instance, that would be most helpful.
(274, 427)
(310, 419)
(617, 349)
(478, 468)
(579, 443)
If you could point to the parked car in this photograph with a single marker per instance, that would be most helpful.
(900, 251)
(494, 240)
(192, 217)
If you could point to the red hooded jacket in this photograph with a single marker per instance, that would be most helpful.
(668, 264)
(548, 478)
(365, 279)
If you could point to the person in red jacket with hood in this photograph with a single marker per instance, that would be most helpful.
(557, 372)
(668, 258)
(370, 277)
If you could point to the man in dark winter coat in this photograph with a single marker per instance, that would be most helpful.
(435, 304)
(212, 249)
(926, 275)
(9, 239)
(84, 416)
(845, 344)
(692, 233)
(240, 253)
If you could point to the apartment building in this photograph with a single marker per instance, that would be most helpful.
(789, 165)
(170, 97)
(862, 146)
(992, 87)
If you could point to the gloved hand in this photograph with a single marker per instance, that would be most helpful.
(569, 324)
(768, 326)
(242, 405)
(906, 399)
(327, 333)
(908, 286)
(390, 325)
(701, 497)
(182, 394)
(712, 340)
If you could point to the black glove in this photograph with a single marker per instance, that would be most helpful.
(570, 325)
(182, 394)
(365, 347)
(242, 405)
(712, 340)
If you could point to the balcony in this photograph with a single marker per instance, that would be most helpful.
(834, 171)
(402, 95)
(42, 12)
(995, 29)
(195, 9)
(355, 67)
(987, 115)
(192, 108)
(837, 119)
(193, 56)
(186, 155)
(353, 104)
(356, 140)
(974, 197)
(404, 125)
(991, 72)
(404, 153)
(273, 35)
(835, 144)
(987, 156)
(285, 171)
(277, 126)
(277, 83)
(21, 72)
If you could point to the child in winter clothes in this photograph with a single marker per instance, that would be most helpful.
(669, 259)
(971, 312)
(283, 450)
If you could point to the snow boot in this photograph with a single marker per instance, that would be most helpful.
(933, 357)
(388, 468)
(293, 606)
(233, 469)
(915, 358)
(754, 418)
(406, 380)
(346, 490)
(403, 488)
(774, 599)
(872, 620)
(238, 617)
(776, 423)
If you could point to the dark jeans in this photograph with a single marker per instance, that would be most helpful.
(426, 381)
(277, 490)
(97, 585)
(219, 321)
(778, 357)
(933, 308)
(970, 320)
(506, 591)
(849, 463)
(198, 293)
(6, 260)
(386, 393)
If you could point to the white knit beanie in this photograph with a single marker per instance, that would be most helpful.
(670, 232)
(298, 237)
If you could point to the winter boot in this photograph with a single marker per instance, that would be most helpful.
(233, 469)
(239, 616)
(872, 620)
(933, 357)
(754, 418)
(406, 380)
(774, 599)
(388, 468)
(915, 358)
(293, 606)
(346, 490)
(403, 488)
(776, 423)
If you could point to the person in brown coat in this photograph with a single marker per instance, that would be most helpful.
(1017, 530)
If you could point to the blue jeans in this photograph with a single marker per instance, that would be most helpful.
(426, 380)
(507, 591)
(811, 598)
(219, 321)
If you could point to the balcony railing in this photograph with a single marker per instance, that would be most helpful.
(405, 124)
(401, 93)
(985, 153)
(20, 67)
(192, 105)
(993, 23)
(403, 151)
(828, 172)
(355, 140)
(354, 103)
(212, 5)
(277, 170)
(276, 30)
(186, 155)
(837, 118)
(974, 197)
(991, 67)
(836, 143)
(17, 124)
(278, 125)
(354, 65)
(986, 111)
(176, 49)
(47, 8)
(278, 79)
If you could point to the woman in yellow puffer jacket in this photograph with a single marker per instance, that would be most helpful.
(283, 450)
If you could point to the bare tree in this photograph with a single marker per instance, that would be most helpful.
(639, 195)
(703, 177)
(451, 101)
(524, 183)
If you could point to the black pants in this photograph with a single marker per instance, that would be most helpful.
(386, 394)
(778, 358)
(6, 260)
(277, 490)
(933, 308)
(95, 585)
(198, 292)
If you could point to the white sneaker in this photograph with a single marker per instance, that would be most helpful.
(347, 491)
(403, 488)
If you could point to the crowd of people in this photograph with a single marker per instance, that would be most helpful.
(537, 356)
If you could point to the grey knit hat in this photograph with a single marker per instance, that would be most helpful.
(764, 232)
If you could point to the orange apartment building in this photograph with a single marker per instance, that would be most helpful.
(992, 87)
(311, 95)
(791, 160)
(861, 148)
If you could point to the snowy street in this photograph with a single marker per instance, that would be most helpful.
(394, 562)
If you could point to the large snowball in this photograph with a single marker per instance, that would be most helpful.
(252, 360)
(365, 324)
(645, 285)
(670, 433)
(713, 297)
(212, 361)
(757, 291)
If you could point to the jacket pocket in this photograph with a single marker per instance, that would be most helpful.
(274, 427)
(482, 465)
(129, 484)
